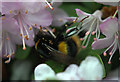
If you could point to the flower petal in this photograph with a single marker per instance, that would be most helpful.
(81, 14)
(43, 72)
(10, 6)
(33, 7)
(73, 68)
(59, 17)
(90, 69)
(10, 25)
(97, 14)
(109, 26)
(70, 18)
(42, 18)
(102, 43)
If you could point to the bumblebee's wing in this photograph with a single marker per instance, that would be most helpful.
(59, 56)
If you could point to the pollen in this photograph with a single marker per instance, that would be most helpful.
(8, 56)
(61, 20)
(7, 61)
(45, 30)
(7, 38)
(50, 42)
(20, 34)
(49, 5)
(10, 11)
(3, 18)
(53, 30)
(30, 28)
(35, 24)
(66, 25)
(26, 37)
(26, 11)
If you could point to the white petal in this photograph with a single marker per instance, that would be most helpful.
(73, 68)
(44, 72)
(67, 76)
(90, 69)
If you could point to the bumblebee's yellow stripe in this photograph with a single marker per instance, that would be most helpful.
(62, 46)
(77, 41)
(37, 44)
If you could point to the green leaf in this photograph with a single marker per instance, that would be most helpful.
(92, 6)
(70, 7)
(56, 66)
(22, 54)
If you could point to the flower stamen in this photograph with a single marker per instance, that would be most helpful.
(115, 13)
(10, 11)
(3, 18)
(49, 5)
(30, 28)
(26, 11)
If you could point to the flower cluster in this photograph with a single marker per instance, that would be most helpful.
(19, 19)
(91, 65)
(93, 24)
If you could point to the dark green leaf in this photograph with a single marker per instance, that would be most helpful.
(22, 54)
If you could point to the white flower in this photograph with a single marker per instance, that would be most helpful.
(90, 69)
(69, 74)
(44, 72)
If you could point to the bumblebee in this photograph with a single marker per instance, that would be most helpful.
(62, 47)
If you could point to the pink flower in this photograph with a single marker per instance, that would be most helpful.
(57, 13)
(110, 29)
(9, 38)
(28, 15)
(90, 24)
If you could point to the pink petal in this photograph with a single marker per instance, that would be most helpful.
(10, 6)
(32, 7)
(42, 18)
(108, 2)
(10, 25)
(102, 43)
(81, 14)
(70, 18)
(109, 26)
(59, 17)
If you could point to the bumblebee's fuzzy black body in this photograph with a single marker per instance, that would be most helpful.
(59, 47)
